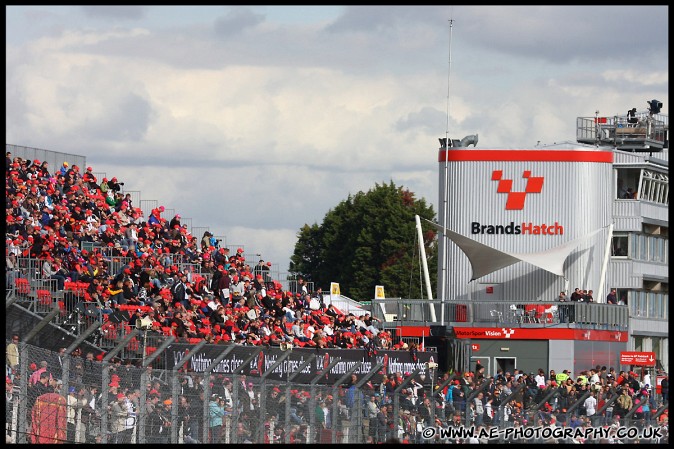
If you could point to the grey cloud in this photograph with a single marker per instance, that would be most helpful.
(562, 34)
(237, 20)
(426, 119)
(126, 120)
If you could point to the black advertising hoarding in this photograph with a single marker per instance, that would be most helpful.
(393, 361)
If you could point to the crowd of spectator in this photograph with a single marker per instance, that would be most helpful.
(216, 295)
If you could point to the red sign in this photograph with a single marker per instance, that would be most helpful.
(518, 333)
(658, 384)
(637, 358)
(475, 346)
(490, 290)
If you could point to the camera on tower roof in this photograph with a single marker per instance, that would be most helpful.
(654, 106)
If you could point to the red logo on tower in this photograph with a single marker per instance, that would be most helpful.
(515, 200)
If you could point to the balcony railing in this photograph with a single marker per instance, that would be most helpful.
(498, 313)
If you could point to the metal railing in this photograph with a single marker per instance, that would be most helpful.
(498, 313)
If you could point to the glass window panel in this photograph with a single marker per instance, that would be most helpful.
(656, 306)
(665, 306)
(620, 246)
(643, 309)
(651, 249)
(651, 305)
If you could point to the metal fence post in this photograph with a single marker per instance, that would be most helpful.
(312, 398)
(143, 391)
(22, 433)
(361, 398)
(263, 395)
(106, 380)
(610, 401)
(577, 404)
(176, 387)
(335, 398)
(207, 392)
(473, 394)
(504, 401)
(235, 392)
(396, 396)
(65, 377)
(291, 377)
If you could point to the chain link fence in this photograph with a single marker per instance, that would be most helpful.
(76, 397)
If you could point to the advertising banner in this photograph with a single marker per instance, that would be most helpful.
(393, 361)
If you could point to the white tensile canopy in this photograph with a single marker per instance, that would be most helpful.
(485, 260)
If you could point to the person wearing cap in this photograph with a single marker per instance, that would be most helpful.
(152, 400)
(118, 415)
(216, 411)
(90, 179)
(158, 424)
(114, 186)
(175, 221)
(72, 405)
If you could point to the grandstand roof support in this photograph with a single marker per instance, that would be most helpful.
(50, 316)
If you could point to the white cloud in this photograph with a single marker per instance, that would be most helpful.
(262, 128)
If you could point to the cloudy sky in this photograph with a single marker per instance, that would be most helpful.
(256, 120)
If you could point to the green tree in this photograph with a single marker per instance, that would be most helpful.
(369, 239)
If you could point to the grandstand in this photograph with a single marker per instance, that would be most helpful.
(163, 334)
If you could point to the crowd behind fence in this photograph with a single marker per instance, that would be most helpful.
(72, 397)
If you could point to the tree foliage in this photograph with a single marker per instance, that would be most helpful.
(369, 239)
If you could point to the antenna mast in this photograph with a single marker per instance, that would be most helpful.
(445, 204)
